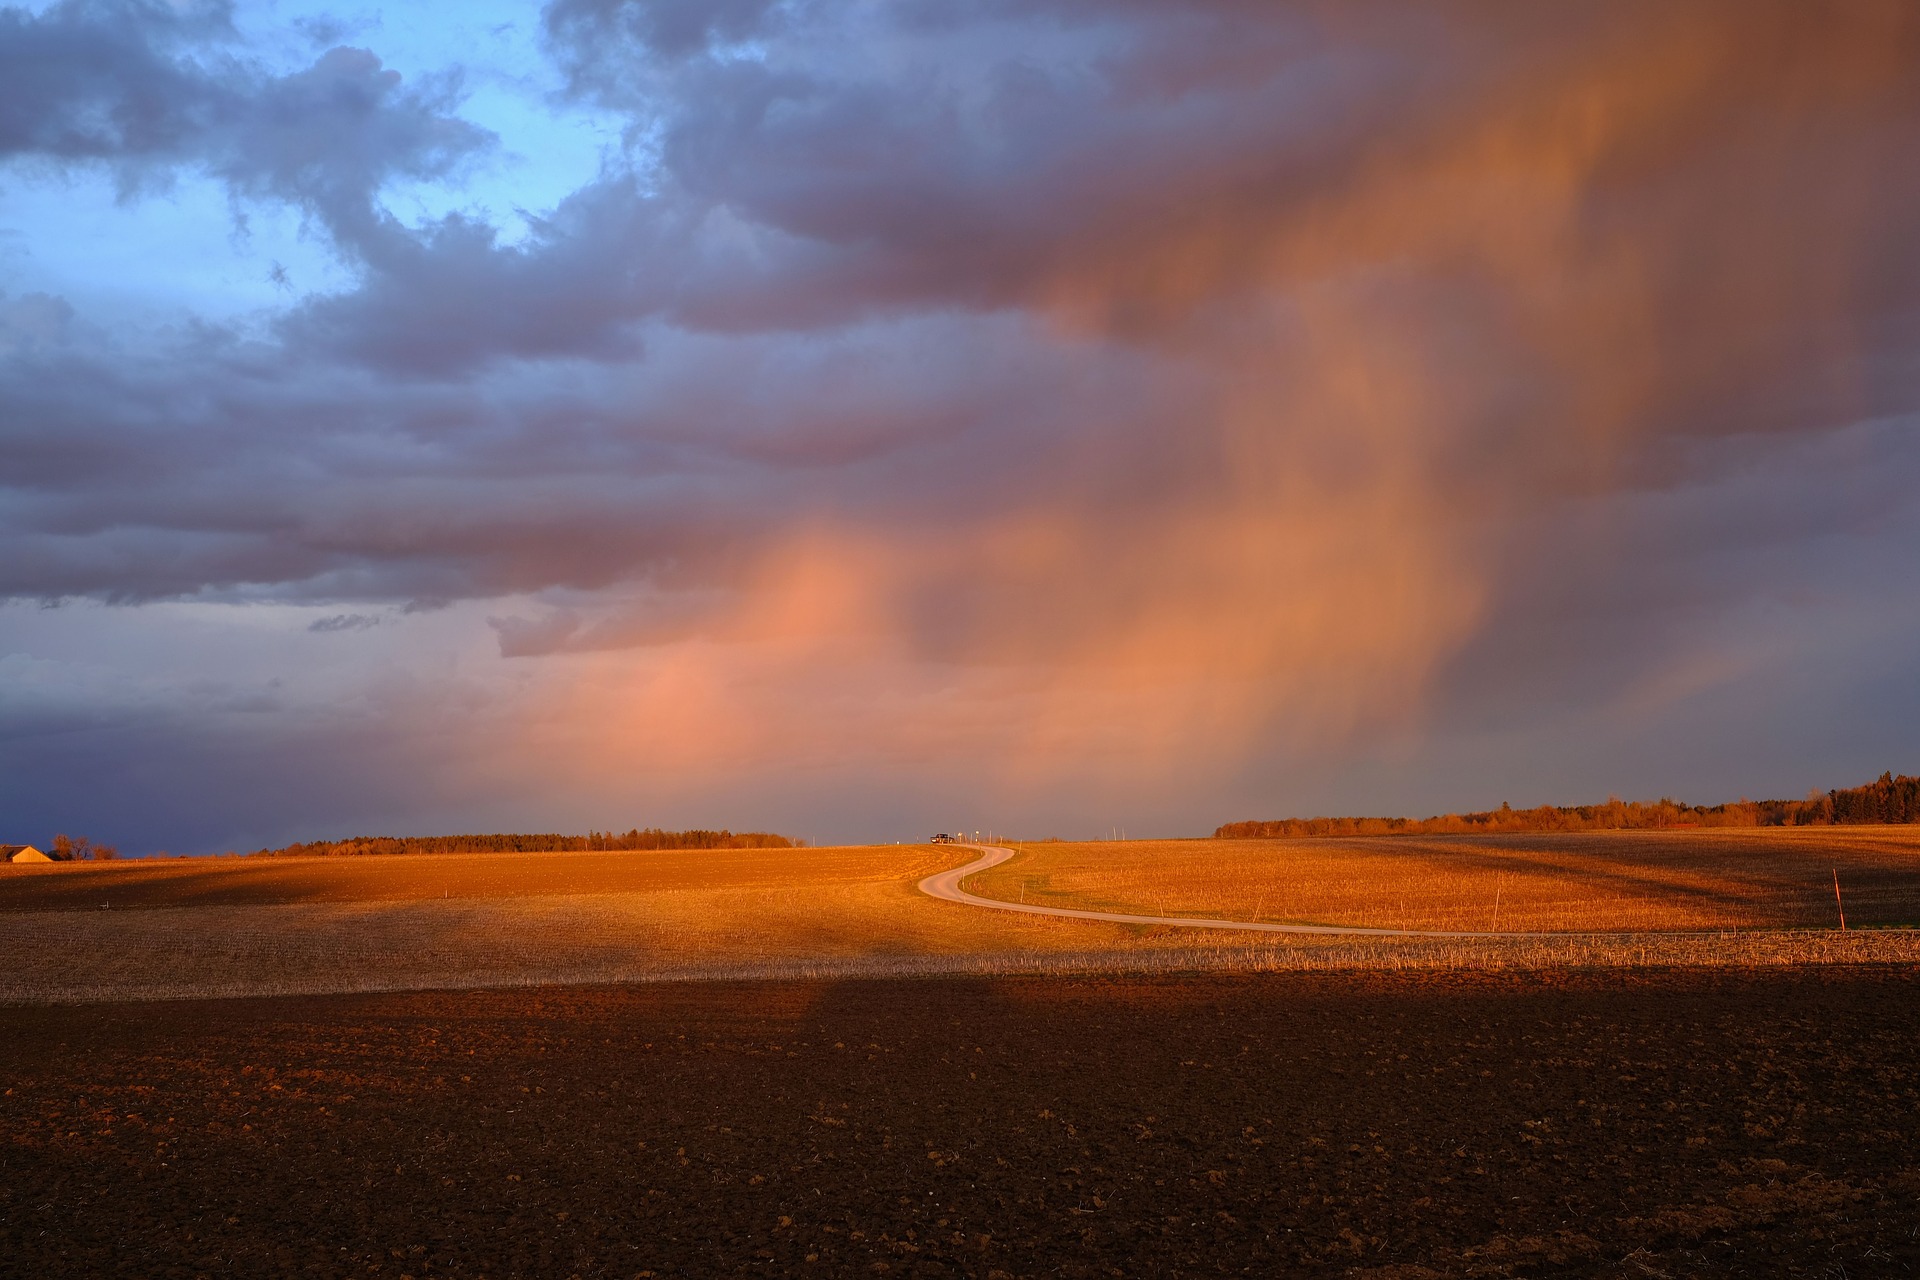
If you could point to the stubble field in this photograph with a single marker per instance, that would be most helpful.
(197, 882)
(311, 925)
(1614, 881)
(237, 927)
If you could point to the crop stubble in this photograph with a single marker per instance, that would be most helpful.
(1717, 879)
(234, 927)
(228, 927)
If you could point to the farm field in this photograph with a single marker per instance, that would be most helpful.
(280, 926)
(1320, 1124)
(1615, 881)
(236, 927)
(191, 882)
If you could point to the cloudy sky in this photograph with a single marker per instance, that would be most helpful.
(857, 419)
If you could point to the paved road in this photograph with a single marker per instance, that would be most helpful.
(946, 886)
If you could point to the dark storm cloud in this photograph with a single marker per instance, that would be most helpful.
(220, 467)
(806, 190)
(599, 37)
(108, 81)
(343, 622)
(450, 298)
(327, 139)
(147, 88)
(1273, 343)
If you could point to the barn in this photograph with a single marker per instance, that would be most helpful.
(21, 853)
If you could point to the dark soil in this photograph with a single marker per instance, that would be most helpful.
(1631, 1124)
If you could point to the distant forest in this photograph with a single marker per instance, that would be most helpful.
(651, 838)
(1889, 799)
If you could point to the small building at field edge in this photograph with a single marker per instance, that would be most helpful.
(21, 853)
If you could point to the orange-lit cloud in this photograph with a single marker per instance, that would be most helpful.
(1570, 237)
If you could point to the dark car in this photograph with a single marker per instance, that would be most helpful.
(943, 838)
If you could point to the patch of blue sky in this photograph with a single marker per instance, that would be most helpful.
(550, 146)
(160, 257)
(185, 249)
(546, 154)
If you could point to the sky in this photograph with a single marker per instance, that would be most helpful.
(858, 420)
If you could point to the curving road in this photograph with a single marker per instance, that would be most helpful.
(946, 887)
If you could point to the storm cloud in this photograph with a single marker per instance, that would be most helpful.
(148, 88)
(1127, 391)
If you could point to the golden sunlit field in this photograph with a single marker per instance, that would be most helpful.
(1611, 881)
(259, 881)
(254, 926)
(234, 926)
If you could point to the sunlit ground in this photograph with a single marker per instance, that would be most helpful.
(239, 927)
(1766, 878)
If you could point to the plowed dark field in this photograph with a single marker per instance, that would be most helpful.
(1631, 1124)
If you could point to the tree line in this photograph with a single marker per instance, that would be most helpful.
(68, 848)
(636, 839)
(1888, 799)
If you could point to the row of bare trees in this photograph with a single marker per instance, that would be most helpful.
(636, 839)
(68, 848)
